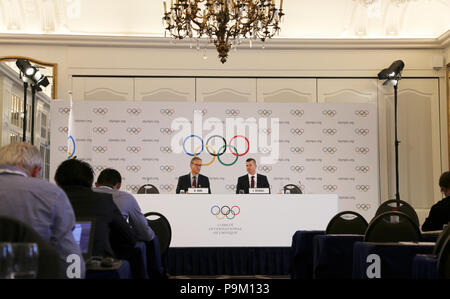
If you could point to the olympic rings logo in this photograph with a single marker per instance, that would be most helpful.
(63, 130)
(221, 150)
(362, 132)
(297, 168)
(329, 113)
(362, 188)
(132, 188)
(167, 112)
(265, 168)
(166, 188)
(134, 149)
(166, 168)
(297, 131)
(329, 168)
(100, 149)
(330, 150)
(265, 150)
(98, 168)
(62, 148)
(230, 187)
(225, 212)
(297, 112)
(100, 111)
(64, 110)
(363, 169)
(202, 112)
(166, 149)
(133, 168)
(265, 113)
(134, 111)
(329, 188)
(297, 150)
(100, 130)
(363, 206)
(362, 150)
(265, 131)
(362, 113)
(166, 131)
(232, 112)
(329, 132)
(134, 131)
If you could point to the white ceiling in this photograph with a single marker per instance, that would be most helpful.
(304, 18)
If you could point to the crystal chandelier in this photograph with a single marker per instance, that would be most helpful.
(223, 22)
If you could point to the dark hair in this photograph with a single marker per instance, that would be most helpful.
(251, 160)
(109, 177)
(444, 180)
(74, 172)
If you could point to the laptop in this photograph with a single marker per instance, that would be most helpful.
(83, 234)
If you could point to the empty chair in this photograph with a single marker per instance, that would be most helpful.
(148, 189)
(15, 231)
(293, 189)
(161, 226)
(400, 206)
(347, 222)
(392, 227)
(443, 262)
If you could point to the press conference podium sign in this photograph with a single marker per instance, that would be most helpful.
(258, 191)
(198, 191)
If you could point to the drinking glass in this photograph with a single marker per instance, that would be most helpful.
(25, 260)
(6, 261)
(182, 192)
(241, 191)
(287, 191)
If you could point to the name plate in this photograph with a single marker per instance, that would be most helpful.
(258, 191)
(198, 191)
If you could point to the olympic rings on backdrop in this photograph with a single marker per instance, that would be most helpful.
(214, 155)
(235, 160)
(248, 146)
(224, 142)
(184, 145)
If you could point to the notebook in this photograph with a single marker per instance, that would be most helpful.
(83, 234)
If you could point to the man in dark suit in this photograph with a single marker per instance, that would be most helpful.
(251, 179)
(113, 236)
(440, 212)
(194, 179)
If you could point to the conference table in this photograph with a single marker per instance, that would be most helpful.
(237, 234)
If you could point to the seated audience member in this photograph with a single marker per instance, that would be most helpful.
(113, 237)
(440, 212)
(109, 181)
(36, 202)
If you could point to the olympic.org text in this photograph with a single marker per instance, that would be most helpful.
(260, 138)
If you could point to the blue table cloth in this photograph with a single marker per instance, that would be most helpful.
(229, 261)
(122, 272)
(302, 254)
(395, 258)
(424, 267)
(333, 256)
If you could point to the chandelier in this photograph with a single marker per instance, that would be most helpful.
(223, 22)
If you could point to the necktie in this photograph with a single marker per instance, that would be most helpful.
(253, 182)
(194, 182)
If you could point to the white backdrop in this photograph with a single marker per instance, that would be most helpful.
(323, 147)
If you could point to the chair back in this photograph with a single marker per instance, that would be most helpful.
(392, 227)
(443, 261)
(443, 236)
(393, 205)
(148, 189)
(347, 222)
(15, 231)
(162, 229)
(293, 189)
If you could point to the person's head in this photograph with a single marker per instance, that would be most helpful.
(109, 177)
(73, 172)
(196, 165)
(250, 164)
(22, 155)
(444, 183)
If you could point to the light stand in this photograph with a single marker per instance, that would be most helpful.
(25, 87)
(392, 75)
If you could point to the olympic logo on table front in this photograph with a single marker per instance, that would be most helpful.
(221, 150)
(225, 212)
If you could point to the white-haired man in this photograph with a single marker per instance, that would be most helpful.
(36, 202)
